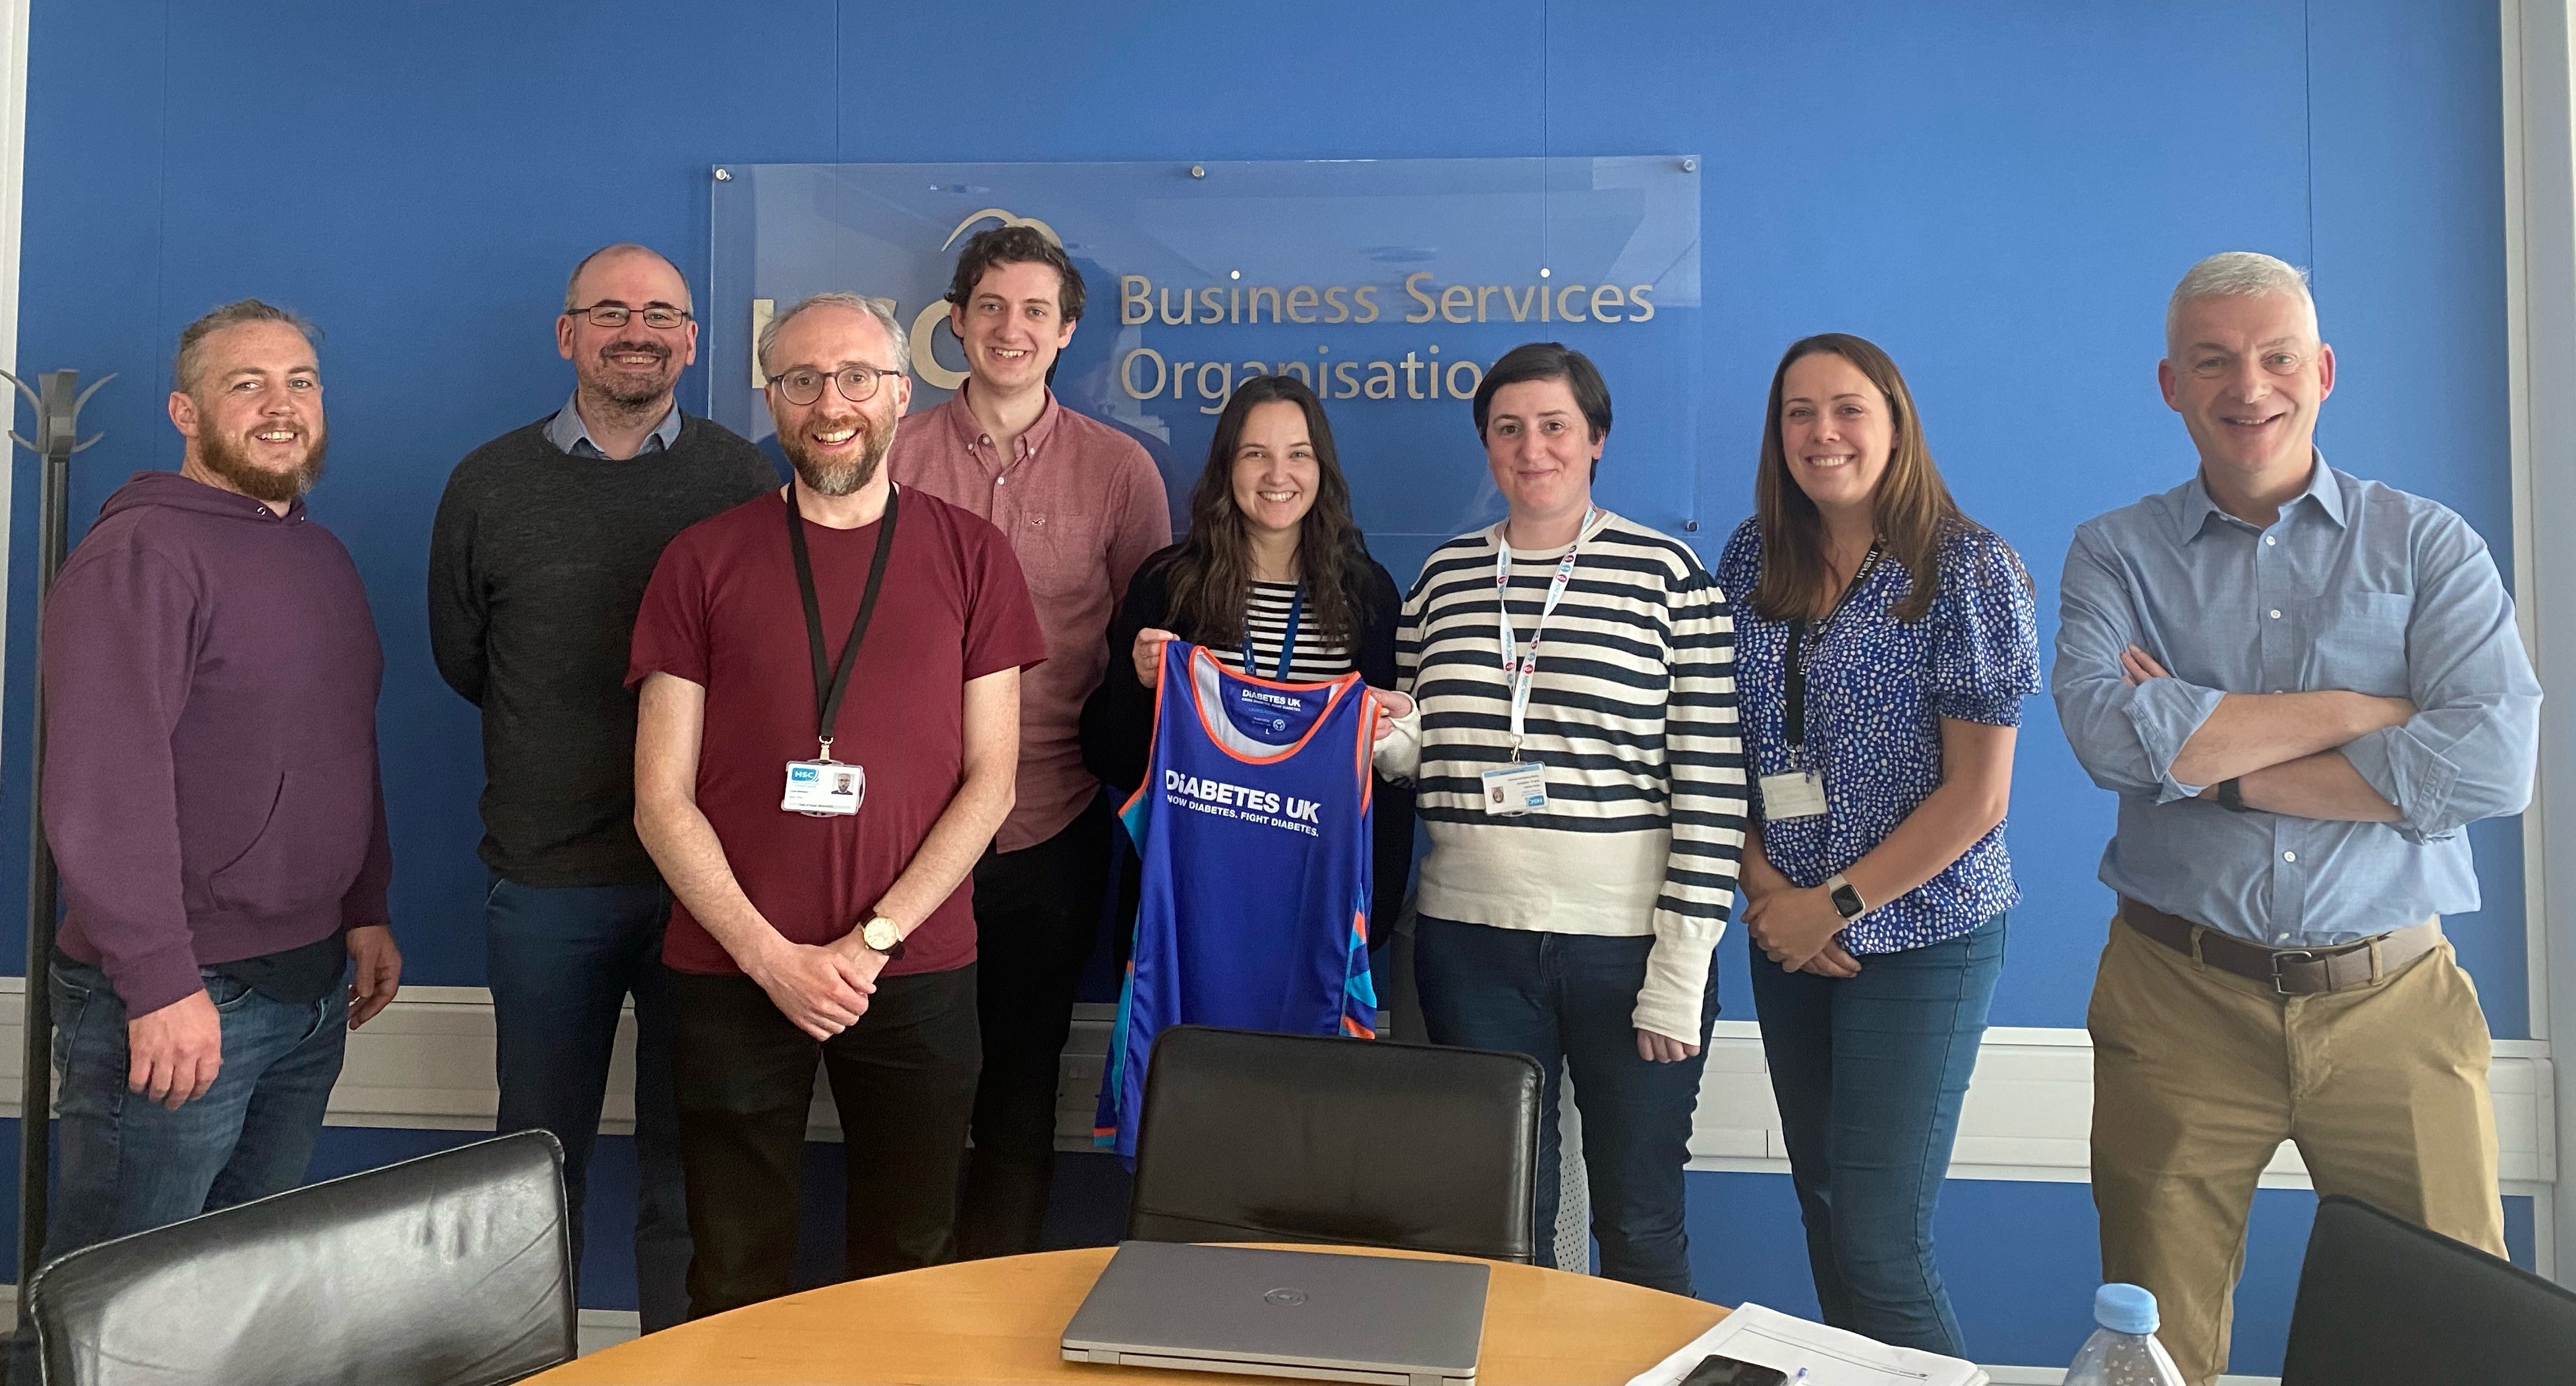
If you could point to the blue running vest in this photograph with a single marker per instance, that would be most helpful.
(1253, 829)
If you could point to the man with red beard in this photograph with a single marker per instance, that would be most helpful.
(213, 803)
(843, 627)
(543, 544)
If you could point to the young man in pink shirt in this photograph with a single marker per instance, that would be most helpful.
(1082, 506)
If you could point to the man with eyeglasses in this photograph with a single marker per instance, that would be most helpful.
(842, 631)
(539, 556)
(2304, 687)
(1082, 507)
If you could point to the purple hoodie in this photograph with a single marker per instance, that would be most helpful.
(211, 788)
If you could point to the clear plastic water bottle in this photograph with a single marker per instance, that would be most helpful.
(2123, 1351)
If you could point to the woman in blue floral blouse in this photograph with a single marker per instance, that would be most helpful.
(1884, 643)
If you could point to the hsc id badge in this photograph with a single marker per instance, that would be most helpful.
(1520, 786)
(1800, 792)
(1796, 794)
(824, 788)
(1516, 789)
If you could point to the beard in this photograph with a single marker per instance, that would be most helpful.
(229, 457)
(625, 387)
(825, 478)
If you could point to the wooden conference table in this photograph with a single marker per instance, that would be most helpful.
(1001, 1320)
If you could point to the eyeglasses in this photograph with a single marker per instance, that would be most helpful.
(617, 314)
(803, 384)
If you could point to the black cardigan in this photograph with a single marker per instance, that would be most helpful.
(1118, 718)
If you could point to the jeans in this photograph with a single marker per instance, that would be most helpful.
(126, 1164)
(1869, 1072)
(562, 962)
(1037, 915)
(1566, 1000)
(903, 1079)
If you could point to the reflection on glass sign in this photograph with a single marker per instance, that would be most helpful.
(1386, 285)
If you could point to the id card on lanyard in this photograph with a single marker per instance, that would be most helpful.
(1519, 786)
(824, 787)
(1287, 640)
(1799, 792)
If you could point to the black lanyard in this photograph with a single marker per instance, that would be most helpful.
(1287, 642)
(828, 687)
(1794, 674)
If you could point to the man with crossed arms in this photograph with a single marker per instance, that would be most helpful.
(2303, 686)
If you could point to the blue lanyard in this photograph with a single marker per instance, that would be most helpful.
(1287, 642)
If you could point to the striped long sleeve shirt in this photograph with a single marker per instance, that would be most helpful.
(1632, 712)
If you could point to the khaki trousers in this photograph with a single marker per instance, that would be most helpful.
(2199, 1075)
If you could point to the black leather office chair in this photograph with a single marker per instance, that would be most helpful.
(454, 1269)
(2383, 1302)
(1250, 1137)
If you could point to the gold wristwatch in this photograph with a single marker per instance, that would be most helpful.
(881, 935)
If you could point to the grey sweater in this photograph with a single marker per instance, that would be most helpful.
(537, 563)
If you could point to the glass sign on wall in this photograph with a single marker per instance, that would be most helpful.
(1387, 285)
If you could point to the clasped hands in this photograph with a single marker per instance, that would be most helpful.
(823, 988)
(1798, 929)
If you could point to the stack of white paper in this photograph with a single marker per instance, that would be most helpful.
(1831, 1356)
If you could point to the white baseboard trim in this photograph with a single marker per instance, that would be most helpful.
(426, 1063)
(605, 1328)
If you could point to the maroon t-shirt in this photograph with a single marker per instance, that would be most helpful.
(723, 612)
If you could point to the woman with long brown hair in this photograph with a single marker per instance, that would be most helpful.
(1275, 580)
(1884, 642)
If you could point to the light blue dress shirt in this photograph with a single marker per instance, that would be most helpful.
(2355, 586)
(566, 431)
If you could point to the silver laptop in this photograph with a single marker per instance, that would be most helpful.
(1314, 1315)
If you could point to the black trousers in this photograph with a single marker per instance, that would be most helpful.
(903, 1078)
(1037, 914)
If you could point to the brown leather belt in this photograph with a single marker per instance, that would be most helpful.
(2288, 971)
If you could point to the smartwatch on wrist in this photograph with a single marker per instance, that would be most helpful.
(1847, 901)
(2231, 796)
(880, 935)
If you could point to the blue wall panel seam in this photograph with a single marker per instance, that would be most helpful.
(160, 215)
(2308, 107)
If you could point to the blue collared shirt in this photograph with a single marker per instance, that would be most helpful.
(2356, 586)
(566, 431)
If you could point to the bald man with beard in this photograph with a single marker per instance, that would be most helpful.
(843, 627)
(540, 553)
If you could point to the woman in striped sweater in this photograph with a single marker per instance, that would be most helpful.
(1275, 580)
(1575, 754)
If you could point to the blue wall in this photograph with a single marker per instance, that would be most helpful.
(2002, 194)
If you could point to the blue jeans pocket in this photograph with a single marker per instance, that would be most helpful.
(71, 984)
(228, 993)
